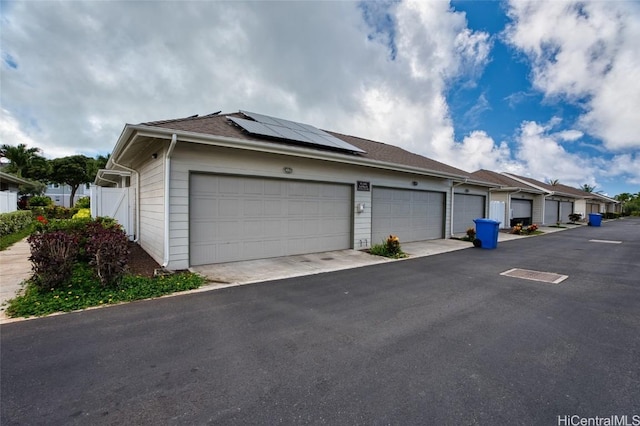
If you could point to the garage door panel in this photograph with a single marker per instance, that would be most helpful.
(411, 215)
(566, 208)
(240, 218)
(227, 185)
(551, 208)
(466, 208)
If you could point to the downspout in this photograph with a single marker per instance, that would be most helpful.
(137, 233)
(167, 181)
(453, 187)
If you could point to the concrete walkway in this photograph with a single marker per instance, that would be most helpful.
(15, 267)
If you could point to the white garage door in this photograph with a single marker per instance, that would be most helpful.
(466, 208)
(521, 211)
(566, 208)
(551, 212)
(241, 218)
(411, 215)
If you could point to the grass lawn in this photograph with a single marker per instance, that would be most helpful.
(83, 290)
(7, 241)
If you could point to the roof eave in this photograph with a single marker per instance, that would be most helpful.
(132, 131)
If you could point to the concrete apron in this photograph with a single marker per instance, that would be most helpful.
(252, 271)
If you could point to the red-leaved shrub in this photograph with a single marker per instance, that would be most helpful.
(108, 251)
(53, 255)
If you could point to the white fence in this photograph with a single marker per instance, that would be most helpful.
(8, 201)
(118, 203)
(497, 211)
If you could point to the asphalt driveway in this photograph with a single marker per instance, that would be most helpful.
(436, 340)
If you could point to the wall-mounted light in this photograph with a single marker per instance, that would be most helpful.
(466, 190)
(154, 155)
(360, 207)
(414, 183)
(287, 170)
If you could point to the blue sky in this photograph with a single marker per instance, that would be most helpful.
(546, 89)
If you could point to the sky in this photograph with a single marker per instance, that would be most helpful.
(545, 89)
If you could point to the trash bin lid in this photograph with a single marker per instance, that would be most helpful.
(483, 220)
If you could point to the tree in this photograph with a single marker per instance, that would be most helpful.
(554, 182)
(74, 171)
(20, 157)
(587, 188)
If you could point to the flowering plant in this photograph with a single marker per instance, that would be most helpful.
(471, 234)
(532, 228)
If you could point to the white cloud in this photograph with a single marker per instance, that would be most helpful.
(569, 135)
(84, 69)
(586, 52)
(545, 158)
(115, 67)
(625, 165)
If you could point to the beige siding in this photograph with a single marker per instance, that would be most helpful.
(152, 207)
(189, 157)
(362, 221)
(537, 214)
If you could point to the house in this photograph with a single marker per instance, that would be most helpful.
(9, 188)
(513, 201)
(60, 193)
(228, 187)
(562, 200)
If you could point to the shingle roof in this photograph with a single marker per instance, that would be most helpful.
(557, 188)
(219, 125)
(500, 179)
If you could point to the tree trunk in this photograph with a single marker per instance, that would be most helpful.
(74, 188)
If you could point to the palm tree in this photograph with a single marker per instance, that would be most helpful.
(554, 182)
(587, 188)
(20, 157)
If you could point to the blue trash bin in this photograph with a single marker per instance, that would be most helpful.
(486, 233)
(595, 219)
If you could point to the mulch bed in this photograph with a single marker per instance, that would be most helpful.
(140, 263)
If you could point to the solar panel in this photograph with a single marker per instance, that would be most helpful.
(255, 127)
(290, 130)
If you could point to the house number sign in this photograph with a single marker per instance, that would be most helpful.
(364, 186)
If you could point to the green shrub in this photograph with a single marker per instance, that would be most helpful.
(54, 212)
(389, 248)
(82, 214)
(83, 203)
(40, 201)
(575, 217)
(14, 221)
(53, 255)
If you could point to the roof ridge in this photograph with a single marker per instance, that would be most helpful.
(189, 118)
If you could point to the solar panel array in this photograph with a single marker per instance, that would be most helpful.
(292, 131)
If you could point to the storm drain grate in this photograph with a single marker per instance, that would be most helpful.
(545, 277)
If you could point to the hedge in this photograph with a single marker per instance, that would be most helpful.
(14, 221)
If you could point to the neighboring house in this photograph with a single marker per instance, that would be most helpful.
(562, 200)
(9, 188)
(60, 193)
(228, 187)
(513, 201)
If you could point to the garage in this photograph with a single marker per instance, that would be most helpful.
(466, 207)
(234, 218)
(551, 212)
(521, 212)
(411, 215)
(566, 208)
